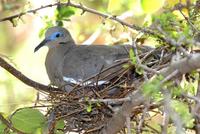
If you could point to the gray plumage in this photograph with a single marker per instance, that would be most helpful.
(79, 62)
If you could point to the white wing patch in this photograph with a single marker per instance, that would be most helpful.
(81, 83)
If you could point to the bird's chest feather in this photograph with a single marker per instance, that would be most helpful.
(53, 63)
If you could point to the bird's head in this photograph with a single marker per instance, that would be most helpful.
(55, 36)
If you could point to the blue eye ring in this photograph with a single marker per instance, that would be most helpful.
(55, 35)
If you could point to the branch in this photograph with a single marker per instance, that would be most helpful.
(86, 9)
(185, 65)
(25, 79)
(174, 116)
(116, 123)
(19, 15)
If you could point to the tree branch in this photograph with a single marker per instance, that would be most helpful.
(183, 66)
(25, 79)
(86, 9)
(116, 123)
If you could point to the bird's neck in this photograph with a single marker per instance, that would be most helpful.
(62, 48)
(55, 55)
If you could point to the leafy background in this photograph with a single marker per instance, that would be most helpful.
(19, 38)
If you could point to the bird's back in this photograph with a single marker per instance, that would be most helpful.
(84, 61)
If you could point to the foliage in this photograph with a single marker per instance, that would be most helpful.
(28, 120)
(61, 15)
(183, 110)
(2, 127)
(153, 87)
(172, 25)
(132, 57)
(59, 126)
(151, 6)
(167, 21)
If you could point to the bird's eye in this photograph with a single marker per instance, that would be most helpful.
(57, 35)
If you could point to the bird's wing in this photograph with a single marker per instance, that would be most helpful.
(85, 61)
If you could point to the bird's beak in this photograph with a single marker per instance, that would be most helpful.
(41, 44)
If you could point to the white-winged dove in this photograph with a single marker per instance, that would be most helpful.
(67, 62)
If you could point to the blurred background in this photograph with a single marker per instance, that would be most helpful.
(19, 38)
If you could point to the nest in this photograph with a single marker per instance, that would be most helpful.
(81, 110)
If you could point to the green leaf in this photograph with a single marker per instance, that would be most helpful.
(98, 104)
(28, 120)
(2, 127)
(48, 23)
(151, 6)
(139, 70)
(176, 91)
(89, 108)
(60, 124)
(42, 32)
(152, 87)
(132, 57)
(183, 110)
(64, 12)
(126, 66)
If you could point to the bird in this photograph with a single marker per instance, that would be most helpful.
(69, 63)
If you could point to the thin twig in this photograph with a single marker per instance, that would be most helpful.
(128, 124)
(140, 125)
(189, 22)
(107, 101)
(174, 116)
(173, 42)
(137, 57)
(166, 117)
(170, 76)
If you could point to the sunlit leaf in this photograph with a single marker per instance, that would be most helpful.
(172, 3)
(132, 57)
(28, 120)
(151, 6)
(114, 5)
(64, 12)
(190, 87)
(179, 15)
(89, 108)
